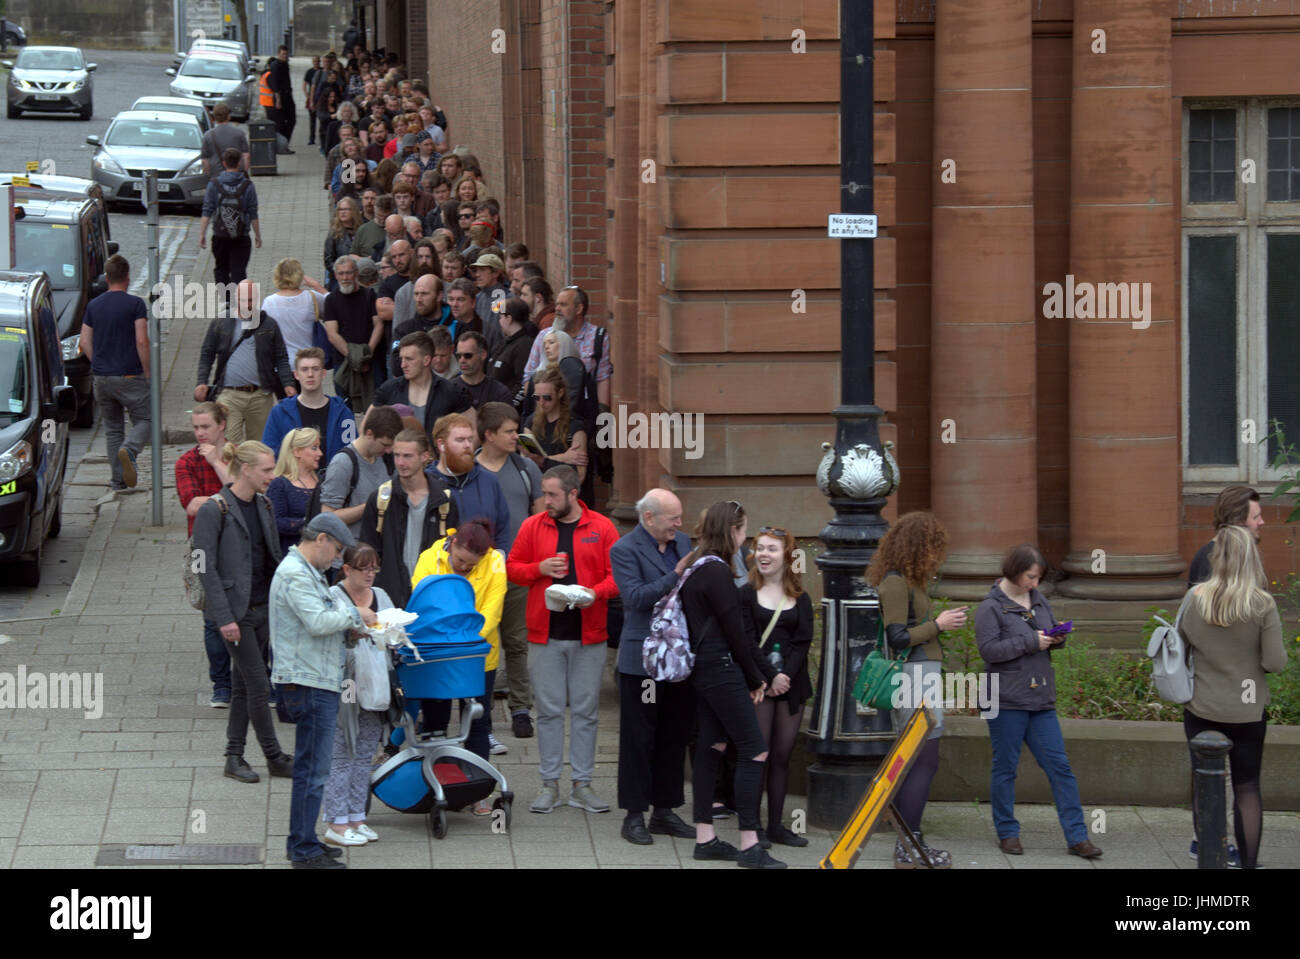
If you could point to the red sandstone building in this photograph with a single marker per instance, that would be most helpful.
(678, 159)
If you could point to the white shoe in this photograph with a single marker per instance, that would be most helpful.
(498, 748)
(349, 837)
(367, 832)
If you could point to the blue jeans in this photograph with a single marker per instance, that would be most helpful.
(315, 712)
(218, 657)
(1042, 731)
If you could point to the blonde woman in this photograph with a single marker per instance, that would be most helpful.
(295, 479)
(1234, 632)
(466, 189)
(295, 310)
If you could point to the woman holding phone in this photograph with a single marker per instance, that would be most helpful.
(1012, 628)
(908, 558)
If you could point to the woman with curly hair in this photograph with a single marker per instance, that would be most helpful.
(343, 229)
(908, 558)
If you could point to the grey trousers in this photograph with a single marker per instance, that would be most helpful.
(117, 396)
(566, 673)
(349, 783)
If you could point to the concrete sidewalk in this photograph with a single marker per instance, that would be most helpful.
(148, 770)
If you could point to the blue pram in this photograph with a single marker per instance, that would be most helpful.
(432, 775)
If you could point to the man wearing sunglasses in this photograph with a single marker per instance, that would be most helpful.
(471, 355)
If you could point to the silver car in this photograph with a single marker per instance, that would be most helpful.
(215, 78)
(55, 79)
(187, 105)
(220, 46)
(138, 140)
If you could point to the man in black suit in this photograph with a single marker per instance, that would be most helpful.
(655, 718)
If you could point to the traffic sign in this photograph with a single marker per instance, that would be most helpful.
(858, 226)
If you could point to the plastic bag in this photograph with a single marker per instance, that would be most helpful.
(371, 667)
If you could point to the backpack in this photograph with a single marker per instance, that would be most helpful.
(313, 501)
(384, 496)
(667, 654)
(194, 593)
(600, 458)
(228, 219)
(1171, 659)
(521, 464)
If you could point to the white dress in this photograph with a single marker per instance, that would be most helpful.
(295, 316)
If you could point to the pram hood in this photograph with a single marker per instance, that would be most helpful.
(445, 605)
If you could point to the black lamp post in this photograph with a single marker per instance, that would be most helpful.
(856, 474)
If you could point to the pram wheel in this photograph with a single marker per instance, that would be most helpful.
(438, 823)
(504, 803)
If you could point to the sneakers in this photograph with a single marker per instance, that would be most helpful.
(716, 848)
(281, 765)
(349, 837)
(220, 699)
(236, 768)
(1234, 859)
(127, 462)
(756, 857)
(778, 833)
(323, 861)
(366, 831)
(548, 797)
(522, 726)
(939, 858)
(497, 748)
(583, 797)
(763, 841)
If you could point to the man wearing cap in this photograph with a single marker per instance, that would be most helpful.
(427, 157)
(489, 275)
(309, 629)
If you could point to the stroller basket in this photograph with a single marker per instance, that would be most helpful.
(402, 782)
(460, 675)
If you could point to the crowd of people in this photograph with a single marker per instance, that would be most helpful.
(316, 511)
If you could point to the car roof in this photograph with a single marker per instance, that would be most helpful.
(208, 53)
(170, 115)
(50, 182)
(155, 98)
(208, 44)
(40, 204)
(46, 47)
(16, 288)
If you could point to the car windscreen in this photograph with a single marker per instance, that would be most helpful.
(37, 59)
(153, 133)
(14, 371)
(52, 247)
(204, 67)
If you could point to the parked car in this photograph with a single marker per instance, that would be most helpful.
(63, 184)
(187, 105)
(50, 79)
(11, 34)
(138, 140)
(37, 406)
(215, 77)
(236, 47)
(65, 237)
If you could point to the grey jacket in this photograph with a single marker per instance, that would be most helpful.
(1007, 634)
(643, 575)
(227, 554)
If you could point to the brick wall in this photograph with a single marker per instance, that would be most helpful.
(417, 50)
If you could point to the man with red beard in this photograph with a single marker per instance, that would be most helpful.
(474, 490)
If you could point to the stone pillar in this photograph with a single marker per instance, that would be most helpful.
(1124, 394)
(983, 371)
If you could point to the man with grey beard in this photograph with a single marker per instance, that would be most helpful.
(355, 331)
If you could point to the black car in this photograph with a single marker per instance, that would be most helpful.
(66, 236)
(11, 34)
(35, 408)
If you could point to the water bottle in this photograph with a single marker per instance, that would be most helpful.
(776, 659)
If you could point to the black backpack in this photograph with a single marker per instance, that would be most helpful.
(600, 458)
(228, 218)
(313, 502)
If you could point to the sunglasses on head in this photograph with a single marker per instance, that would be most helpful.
(734, 505)
(775, 530)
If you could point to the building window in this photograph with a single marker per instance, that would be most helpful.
(1241, 286)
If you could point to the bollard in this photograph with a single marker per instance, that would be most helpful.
(1209, 750)
(149, 193)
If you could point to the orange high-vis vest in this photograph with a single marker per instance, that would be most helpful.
(267, 98)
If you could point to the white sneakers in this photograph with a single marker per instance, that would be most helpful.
(357, 835)
(560, 597)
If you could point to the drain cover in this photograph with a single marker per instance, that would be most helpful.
(153, 855)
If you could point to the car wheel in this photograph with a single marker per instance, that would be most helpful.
(29, 570)
(88, 112)
(12, 112)
(86, 414)
(56, 524)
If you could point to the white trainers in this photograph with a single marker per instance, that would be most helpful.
(349, 837)
(364, 830)
(497, 748)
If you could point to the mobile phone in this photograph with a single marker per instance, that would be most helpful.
(1060, 629)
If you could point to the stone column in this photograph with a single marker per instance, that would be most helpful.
(1124, 395)
(983, 370)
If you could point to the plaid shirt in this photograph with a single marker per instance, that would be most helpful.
(585, 341)
(195, 477)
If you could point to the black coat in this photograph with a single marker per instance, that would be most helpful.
(445, 396)
(394, 578)
(273, 369)
(793, 631)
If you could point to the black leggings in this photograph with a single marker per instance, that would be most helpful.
(725, 713)
(780, 728)
(1244, 759)
(915, 791)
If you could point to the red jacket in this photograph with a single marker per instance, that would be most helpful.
(536, 541)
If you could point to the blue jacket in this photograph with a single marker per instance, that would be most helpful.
(476, 494)
(340, 429)
(247, 202)
(643, 575)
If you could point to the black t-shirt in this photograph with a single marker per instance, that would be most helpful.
(316, 419)
(548, 438)
(1199, 571)
(488, 391)
(388, 287)
(261, 591)
(567, 624)
(352, 312)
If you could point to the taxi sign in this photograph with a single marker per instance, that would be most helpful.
(33, 166)
(19, 181)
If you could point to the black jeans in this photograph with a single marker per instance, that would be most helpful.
(436, 714)
(1245, 759)
(250, 686)
(652, 739)
(726, 713)
(230, 258)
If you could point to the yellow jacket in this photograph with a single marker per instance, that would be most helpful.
(489, 581)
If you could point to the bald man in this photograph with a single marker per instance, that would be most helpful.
(655, 718)
(394, 231)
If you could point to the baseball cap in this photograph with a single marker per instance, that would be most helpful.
(332, 526)
(367, 272)
(490, 260)
(408, 140)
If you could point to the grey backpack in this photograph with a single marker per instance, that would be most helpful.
(1171, 659)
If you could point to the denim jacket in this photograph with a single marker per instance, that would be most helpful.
(308, 626)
